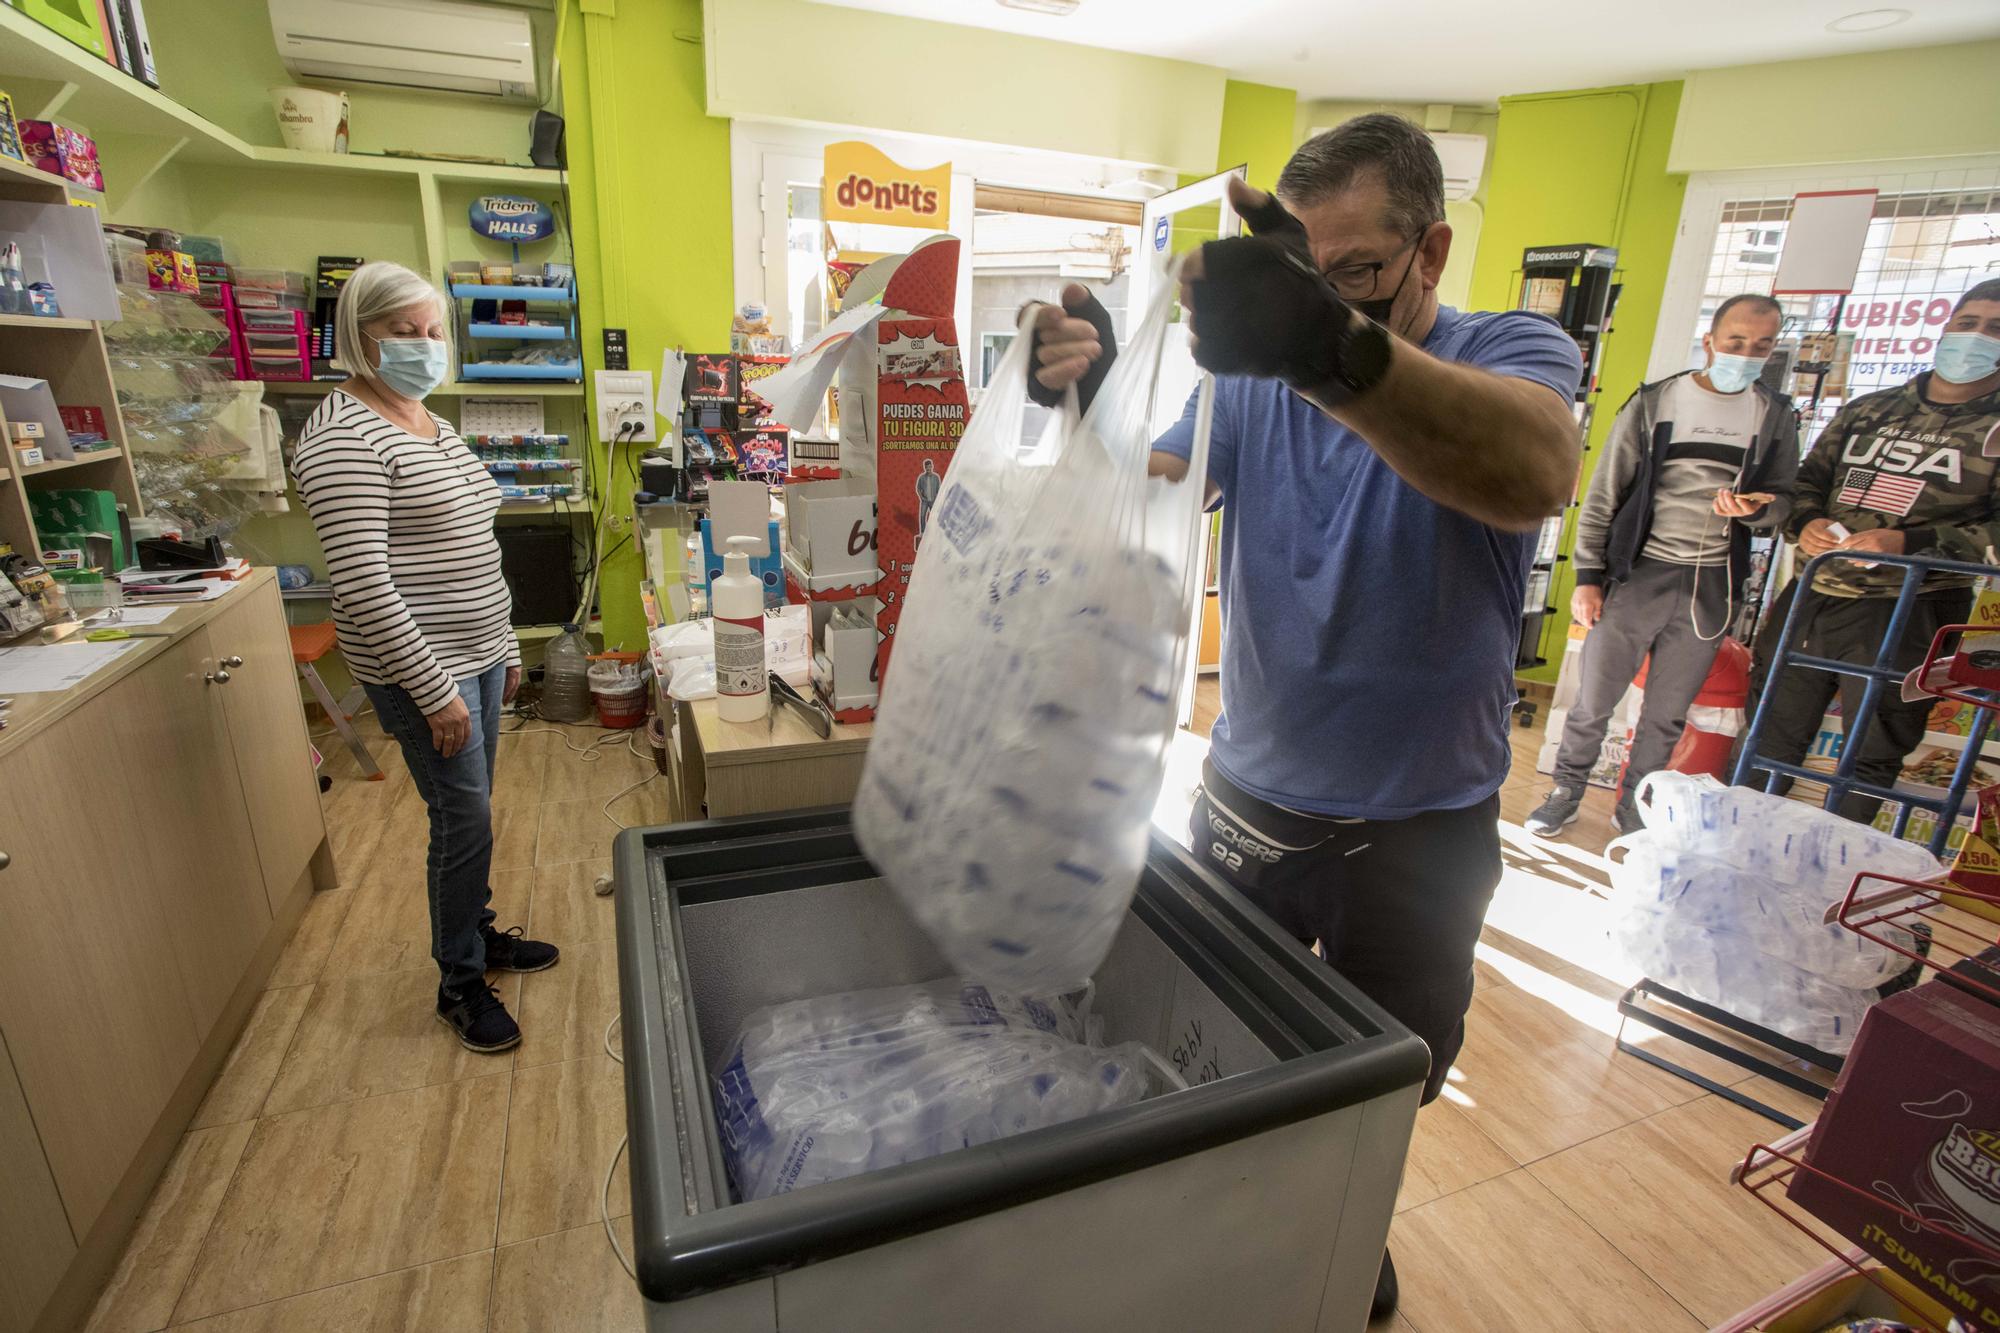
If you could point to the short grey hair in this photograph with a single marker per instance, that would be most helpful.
(376, 291)
(1330, 162)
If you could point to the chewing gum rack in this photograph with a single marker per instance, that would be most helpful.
(852, 541)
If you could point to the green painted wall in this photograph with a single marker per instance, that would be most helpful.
(651, 190)
(1932, 101)
(1587, 166)
(1257, 122)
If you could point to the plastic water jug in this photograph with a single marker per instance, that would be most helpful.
(566, 677)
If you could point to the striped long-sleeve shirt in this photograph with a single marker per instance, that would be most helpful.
(407, 528)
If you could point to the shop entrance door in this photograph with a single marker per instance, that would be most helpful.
(1173, 224)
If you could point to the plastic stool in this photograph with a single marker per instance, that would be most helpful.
(309, 644)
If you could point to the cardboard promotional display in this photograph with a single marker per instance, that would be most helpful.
(1914, 1124)
(903, 408)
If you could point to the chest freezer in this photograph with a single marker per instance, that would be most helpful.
(1257, 1198)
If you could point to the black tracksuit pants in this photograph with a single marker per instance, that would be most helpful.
(1394, 904)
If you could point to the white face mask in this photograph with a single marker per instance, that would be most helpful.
(1966, 357)
(1734, 374)
(413, 367)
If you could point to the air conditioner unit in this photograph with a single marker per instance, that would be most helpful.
(436, 45)
(1463, 157)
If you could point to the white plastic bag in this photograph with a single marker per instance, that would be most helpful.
(1722, 897)
(1025, 718)
(825, 1088)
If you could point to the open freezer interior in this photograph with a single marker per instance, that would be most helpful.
(741, 953)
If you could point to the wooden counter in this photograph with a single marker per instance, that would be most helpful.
(748, 768)
(160, 835)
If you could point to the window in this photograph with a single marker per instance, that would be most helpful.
(992, 346)
(1925, 246)
(1027, 245)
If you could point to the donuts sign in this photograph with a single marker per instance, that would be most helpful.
(860, 183)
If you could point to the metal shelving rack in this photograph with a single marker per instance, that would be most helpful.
(1576, 285)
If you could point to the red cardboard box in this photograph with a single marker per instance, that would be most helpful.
(919, 411)
(1914, 1122)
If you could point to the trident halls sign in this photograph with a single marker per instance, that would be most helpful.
(859, 183)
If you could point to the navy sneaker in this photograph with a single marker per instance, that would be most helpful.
(511, 951)
(474, 1011)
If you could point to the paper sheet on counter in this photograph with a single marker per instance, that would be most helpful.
(123, 617)
(43, 669)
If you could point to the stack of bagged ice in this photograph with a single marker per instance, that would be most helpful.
(819, 1089)
(1721, 897)
(1027, 711)
(1012, 812)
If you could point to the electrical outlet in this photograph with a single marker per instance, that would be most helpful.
(625, 406)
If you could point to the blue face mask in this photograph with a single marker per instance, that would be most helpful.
(1965, 357)
(413, 367)
(1734, 374)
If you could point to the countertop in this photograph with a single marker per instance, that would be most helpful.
(32, 713)
(784, 735)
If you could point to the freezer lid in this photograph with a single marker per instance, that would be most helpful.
(1336, 1049)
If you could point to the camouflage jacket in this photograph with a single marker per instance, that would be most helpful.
(1894, 459)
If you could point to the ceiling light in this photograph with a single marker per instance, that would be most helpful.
(1867, 20)
(1058, 7)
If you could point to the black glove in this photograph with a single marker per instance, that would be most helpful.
(1262, 308)
(1086, 388)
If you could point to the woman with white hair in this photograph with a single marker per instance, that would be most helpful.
(405, 516)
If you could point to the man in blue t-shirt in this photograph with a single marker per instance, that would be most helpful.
(1383, 463)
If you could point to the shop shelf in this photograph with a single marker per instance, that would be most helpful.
(473, 291)
(529, 331)
(63, 464)
(1948, 921)
(43, 322)
(493, 389)
(98, 94)
(479, 371)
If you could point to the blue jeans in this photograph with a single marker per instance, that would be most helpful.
(458, 793)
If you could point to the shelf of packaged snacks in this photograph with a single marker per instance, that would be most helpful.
(63, 464)
(489, 389)
(44, 323)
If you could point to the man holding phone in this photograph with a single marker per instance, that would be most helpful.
(1913, 470)
(1692, 465)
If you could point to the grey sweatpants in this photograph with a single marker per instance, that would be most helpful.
(1648, 613)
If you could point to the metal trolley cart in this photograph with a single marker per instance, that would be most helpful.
(1663, 1009)
(1260, 1197)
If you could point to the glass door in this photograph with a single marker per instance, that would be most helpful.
(1173, 224)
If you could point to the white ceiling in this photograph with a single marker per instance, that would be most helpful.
(1466, 51)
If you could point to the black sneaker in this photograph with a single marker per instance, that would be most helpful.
(1556, 812)
(1386, 1293)
(475, 1013)
(511, 951)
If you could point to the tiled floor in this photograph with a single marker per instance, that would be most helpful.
(355, 1169)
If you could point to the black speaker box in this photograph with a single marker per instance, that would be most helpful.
(535, 561)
